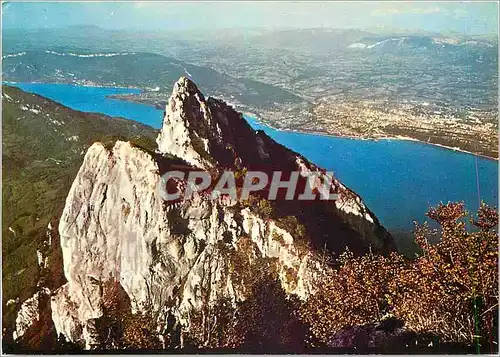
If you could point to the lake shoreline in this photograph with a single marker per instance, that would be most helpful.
(351, 137)
(311, 132)
(89, 85)
(258, 118)
(375, 170)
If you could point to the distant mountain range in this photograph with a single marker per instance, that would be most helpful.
(133, 69)
(424, 43)
(279, 75)
(327, 40)
(315, 39)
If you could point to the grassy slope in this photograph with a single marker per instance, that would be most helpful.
(40, 157)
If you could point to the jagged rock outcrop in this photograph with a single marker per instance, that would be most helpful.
(210, 134)
(33, 308)
(34, 329)
(174, 258)
(115, 226)
(29, 314)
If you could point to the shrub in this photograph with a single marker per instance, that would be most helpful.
(139, 332)
(267, 321)
(303, 247)
(450, 290)
(125, 209)
(291, 277)
(214, 326)
(245, 265)
(278, 237)
(119, 328)
(264, 209)
(354, 294)
(292, 225)
(143, 142)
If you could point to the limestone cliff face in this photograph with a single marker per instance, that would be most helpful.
(211, 135)
(176, 257)
(115, 226)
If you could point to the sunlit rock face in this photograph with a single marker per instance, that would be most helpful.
(185, 114)
(115, 227)
(29, 314)
(176, 257)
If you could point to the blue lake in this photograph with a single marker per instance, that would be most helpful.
(94, 99)
(398, 180)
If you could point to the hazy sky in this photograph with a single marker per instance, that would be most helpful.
(471, 17)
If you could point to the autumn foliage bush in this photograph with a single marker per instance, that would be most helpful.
(450, 290)
(119, 328)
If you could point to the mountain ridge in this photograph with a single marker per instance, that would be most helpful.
(116, 230)
(43, 144)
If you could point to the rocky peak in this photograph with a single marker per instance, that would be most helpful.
(186, 125)
(115, 229)
(210, 134)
